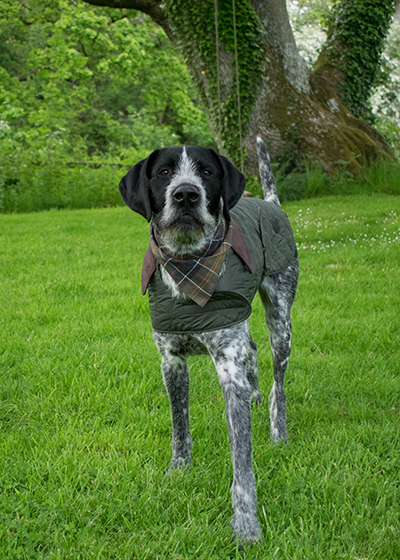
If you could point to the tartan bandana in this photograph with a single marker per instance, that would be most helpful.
(197, 277)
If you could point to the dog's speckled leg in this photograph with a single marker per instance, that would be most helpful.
(277, 294)
(252, 373)
(229, 349)
(176, 379)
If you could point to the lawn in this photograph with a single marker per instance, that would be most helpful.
(85, 420)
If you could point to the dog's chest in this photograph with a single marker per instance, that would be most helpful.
(230, 303)
(268, 236)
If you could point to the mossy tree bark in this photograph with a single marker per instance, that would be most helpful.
(350, 58)
(299, 114)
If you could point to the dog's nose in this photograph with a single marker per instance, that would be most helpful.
(186, 195)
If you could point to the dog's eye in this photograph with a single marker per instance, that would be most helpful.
(164, 172)
(207, 173)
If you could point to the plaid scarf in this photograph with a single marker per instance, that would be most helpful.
(197, 276)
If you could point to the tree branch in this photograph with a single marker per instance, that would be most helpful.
(150, 7)
(278, 35)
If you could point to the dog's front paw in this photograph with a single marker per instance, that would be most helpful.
(247, 529)
(179, 463)
(256, 397)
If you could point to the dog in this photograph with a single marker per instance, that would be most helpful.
(210, 251)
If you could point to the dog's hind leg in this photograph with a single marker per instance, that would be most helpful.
(252, 373)
(176, 379)
(277, 294)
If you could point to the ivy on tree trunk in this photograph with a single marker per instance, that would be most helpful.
(300, 114)
(352, 53)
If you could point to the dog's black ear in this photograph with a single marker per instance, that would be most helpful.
(134, 187)
(233, 185)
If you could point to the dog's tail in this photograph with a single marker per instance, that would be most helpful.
(266, 175)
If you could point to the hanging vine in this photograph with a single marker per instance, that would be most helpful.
(194, 25)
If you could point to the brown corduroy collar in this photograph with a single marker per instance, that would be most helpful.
(238, 246)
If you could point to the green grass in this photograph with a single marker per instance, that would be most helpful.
(85, 420)
(381, 176)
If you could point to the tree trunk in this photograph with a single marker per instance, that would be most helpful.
(350, 57)
(298, 113)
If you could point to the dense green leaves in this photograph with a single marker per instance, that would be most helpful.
(83, 87)
(78, 80)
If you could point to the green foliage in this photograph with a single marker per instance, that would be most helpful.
(309, 12)
(381, 176)
(310, 181)
(32, 188)
(85, 419)
(79, 83)
(357, 35)
(194, 24)
(310, 18)
(86, 92)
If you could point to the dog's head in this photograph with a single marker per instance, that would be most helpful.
(185, 190)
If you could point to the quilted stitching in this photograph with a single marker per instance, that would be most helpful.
(279, 246)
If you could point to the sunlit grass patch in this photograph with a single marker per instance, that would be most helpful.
(373, 231)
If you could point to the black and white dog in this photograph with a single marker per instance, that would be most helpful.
(188, 192)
